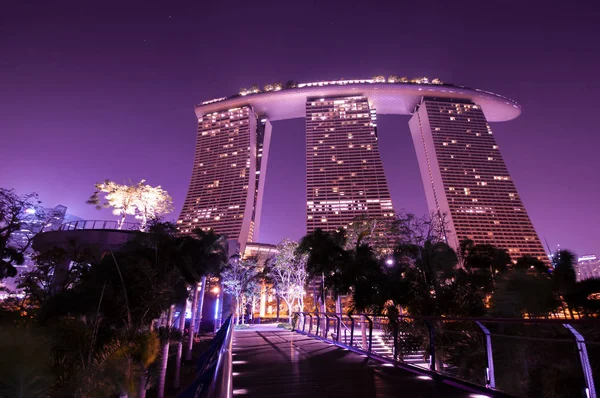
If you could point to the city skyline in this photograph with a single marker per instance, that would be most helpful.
(118, 104)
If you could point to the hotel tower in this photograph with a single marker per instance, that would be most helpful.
(465, 177)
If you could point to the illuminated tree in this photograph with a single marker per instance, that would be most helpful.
(379, 79)
(151, 203)
(287, 270)
(140, 200)
(237, 276)
(119, 197)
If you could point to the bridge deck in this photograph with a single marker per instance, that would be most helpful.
(278, 363)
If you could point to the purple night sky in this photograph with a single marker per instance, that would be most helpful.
(95, 90)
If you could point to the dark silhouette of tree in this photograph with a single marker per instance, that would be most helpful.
(565, 277)
(526, 289)
(18, 213)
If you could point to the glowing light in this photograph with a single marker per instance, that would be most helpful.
(216, 289)
(217, 309)
(479, 396)
(30, 211)
(389, 365)
(239, 362)
(240, 391)
(423, 377)
(389, 262)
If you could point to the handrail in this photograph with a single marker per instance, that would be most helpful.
(222, 381)
(382, 323)
(214, 367)
(99, 224)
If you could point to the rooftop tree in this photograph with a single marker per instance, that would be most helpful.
(143, 201)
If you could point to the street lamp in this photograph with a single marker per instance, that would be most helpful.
(389, 262)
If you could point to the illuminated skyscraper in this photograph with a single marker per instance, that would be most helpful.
(588, 267)
(463, 172)
(344, 174)
(466, 178)
(225, 190)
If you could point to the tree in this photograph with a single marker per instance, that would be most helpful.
(151, 203)
(21, 219)
(327, 258)
(119, 298)
(525, 289)
(482, 263)
(140, 200)
(236, 277)
(203, 254)
(564, 276)
(120, 197)
(287, 270)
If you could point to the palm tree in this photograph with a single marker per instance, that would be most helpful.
(203, 254)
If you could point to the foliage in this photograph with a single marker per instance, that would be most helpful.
(22, 214)
(25, 364)
(287, 271)
(236, 277)
(141, 200)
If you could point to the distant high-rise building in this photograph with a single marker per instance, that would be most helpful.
(588, 267)
(34, 222)
(466, 179)
(344, 173)
(226, 187)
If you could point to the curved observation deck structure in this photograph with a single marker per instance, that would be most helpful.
(466, 180)
(386, 98)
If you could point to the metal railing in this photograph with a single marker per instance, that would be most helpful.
(214, 367)
(497, 354)
(99, 224)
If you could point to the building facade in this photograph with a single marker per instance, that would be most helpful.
(344, 173)
(588, 267)
(225, 192)
(464, 174)
(466, 179)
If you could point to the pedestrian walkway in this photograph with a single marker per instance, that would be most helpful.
(271, 362)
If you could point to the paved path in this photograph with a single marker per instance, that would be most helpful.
(268, 362)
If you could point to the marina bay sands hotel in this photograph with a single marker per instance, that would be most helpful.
(464, 174)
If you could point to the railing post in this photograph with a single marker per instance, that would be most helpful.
(395, 331)
(431, 345)
(318, 323)
(310, 325)
(590, 389)
(490, 378)
(351, 329)
(326, 331)
(370, 331)
(104, 225)
(338, 328)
